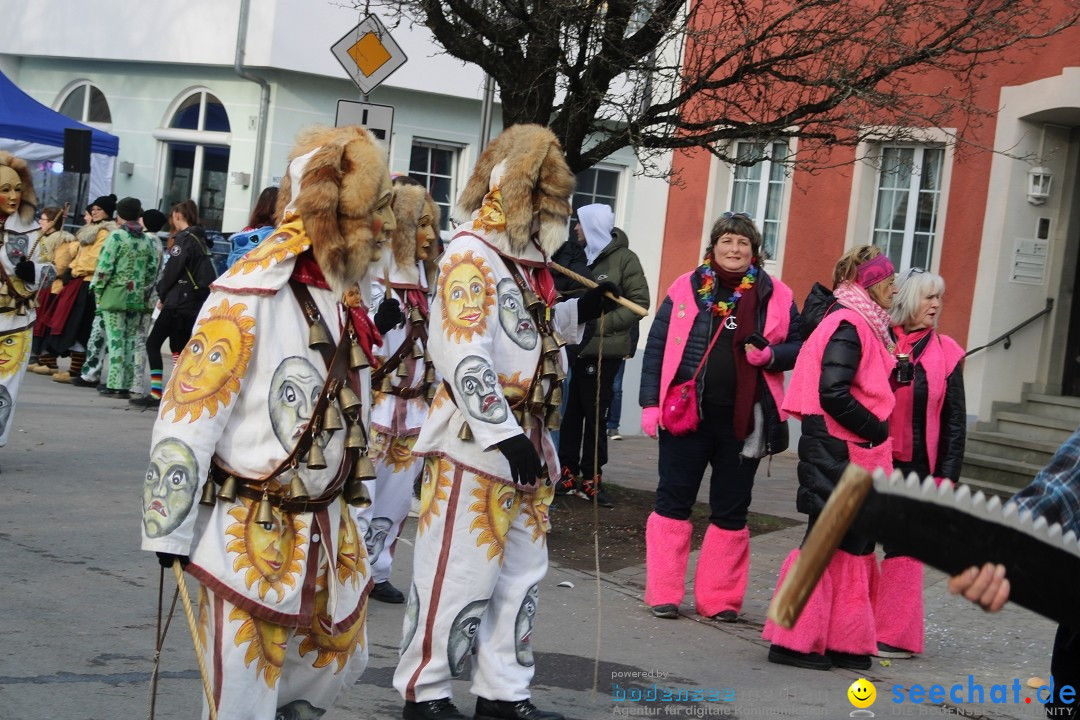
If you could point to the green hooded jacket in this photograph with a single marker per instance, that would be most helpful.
(619, 264)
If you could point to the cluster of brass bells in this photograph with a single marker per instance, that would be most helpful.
(355, 491)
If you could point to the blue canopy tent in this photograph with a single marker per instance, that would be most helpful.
(35, 133)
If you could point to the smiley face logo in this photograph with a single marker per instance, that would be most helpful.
(862, 693)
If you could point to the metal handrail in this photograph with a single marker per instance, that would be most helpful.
(1007, 335)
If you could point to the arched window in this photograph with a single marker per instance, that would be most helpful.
(196, 144)
(83, 101)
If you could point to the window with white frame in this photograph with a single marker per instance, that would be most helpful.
(758, 189)
(906, 203)
(434, 165)
(598, 184)
(84, 102)
(197, 155)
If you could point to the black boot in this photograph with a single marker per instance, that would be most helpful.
(383, 591)
(511, 710)
(441, 709)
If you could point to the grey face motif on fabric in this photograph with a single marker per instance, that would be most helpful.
(294, 390)
(463, 635)
(375, 536)
(5, 408)
(412, 619)
(16, 246)
(523, 627)
(299, 710)
(514, 316)
(171, 483)
(478, 388)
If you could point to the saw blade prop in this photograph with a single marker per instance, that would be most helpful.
(947, 527)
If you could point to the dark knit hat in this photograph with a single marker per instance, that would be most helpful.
(153, 220)
(106, 203)
(129, 208)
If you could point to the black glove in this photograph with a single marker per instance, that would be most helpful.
(594, 302)
(66, 277)
(524, 461)
(166, 560)
(25, 270)
(389, 315)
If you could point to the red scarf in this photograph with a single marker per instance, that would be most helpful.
(746, 375)
(901, 422)
(308, 272)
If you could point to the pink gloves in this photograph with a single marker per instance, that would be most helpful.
(758, 358)
(650, 420)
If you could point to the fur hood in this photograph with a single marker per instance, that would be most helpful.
(335, 177)
(29, 197)
(521, 185)
(88, 233)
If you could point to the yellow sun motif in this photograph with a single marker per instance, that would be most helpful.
(273, 554)
(514, 387)
(13, 351)
(331, 646)
(491, 216)
(209, 370)
(495, 507)
(536, 508)
(397, 454)
(467, 291)
(440, 397)
(433, 490)
(351, 551)
(289, 240)
(267, 644)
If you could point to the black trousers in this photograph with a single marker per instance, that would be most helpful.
(684, 459)
(175, 325)
(1065, 668)
(578, 436)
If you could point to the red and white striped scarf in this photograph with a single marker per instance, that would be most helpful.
(856, 298)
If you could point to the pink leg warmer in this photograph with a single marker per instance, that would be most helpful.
(851, 624)
(898, 610)
(667, 549)
(722, 567)
(811, 629)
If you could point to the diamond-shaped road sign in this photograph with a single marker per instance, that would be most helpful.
(368, 54)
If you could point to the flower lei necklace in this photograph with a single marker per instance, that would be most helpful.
(707, 291)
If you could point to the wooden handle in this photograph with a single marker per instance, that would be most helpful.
(831, 526)
(591, 284)
(190, 615)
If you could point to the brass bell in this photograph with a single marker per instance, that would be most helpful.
(317, 335)
(551, 368)
(264, 514)
(427, 356)
(560, 374)
(356, 493)
(20, 310)
(550, 346)
(209, 494)
(554, 419)
(465, 433)
(331, 420)
(228, 489)
(556, 395)
(560, 341)
(429, 374)
(297, 491)
(418, 351)
(357, 358)
(416, 317)
(348, 399)
(315, 459)
(355, 437)
(536, 397)
(402, 370)
(429, 393)
(364, 468)
(387, 385)
(530, 298)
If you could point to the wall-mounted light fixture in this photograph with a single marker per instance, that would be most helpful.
(126, 167)
(1040, 177)
(240, 178)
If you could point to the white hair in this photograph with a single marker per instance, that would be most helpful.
(913, 285)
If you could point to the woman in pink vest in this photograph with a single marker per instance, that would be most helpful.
(841, 391)
(928, 428)
(735, 330)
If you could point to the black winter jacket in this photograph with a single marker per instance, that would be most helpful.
(187, 260)
(783, 357)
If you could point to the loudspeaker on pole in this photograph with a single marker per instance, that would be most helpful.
(76, 150)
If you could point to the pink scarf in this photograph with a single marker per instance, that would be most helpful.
(900, 425)
(856, 298)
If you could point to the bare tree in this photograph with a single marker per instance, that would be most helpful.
(661, 74)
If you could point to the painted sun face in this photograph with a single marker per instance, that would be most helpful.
(294, 390)
(491, 217)
(11, 191)
(272, 553)
(397, 451)
(279, 246)
(13, 350)
(351, 553)
(538, 518)
(16, 247)
(6, 407)
(463, 635)
(495, 507)
(169, 490)
(523, 626)
(514, 317)
(266, 643)
(333, 645)
(209, 370)
(478, 386)
(467, 291)
(435, 486)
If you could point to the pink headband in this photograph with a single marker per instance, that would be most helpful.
(875, 270)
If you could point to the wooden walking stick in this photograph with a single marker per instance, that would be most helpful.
(190, 614)
(590, 284)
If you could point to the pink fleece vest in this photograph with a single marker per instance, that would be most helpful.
(938, 360)
(684, 310)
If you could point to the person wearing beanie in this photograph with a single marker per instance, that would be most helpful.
(153, 220)
(129, 209)
(74, 322)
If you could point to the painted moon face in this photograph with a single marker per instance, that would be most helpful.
(478, 385)
(523, 626)
(13, 349)
(463, 635)
(375, 536)
(169, 490)
(294, 390)
(514, 317)
(412, 619)
(6, 406)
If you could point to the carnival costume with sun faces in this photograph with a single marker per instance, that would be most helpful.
(255, 453)
(495, 337)
(18, 297)
(405, 381)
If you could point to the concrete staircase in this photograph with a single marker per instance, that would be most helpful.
(1004, 454)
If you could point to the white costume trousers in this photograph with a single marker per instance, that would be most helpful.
(391, 492)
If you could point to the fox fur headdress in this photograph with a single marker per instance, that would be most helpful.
(29, 197)
(410, 203)
(534, 179)
(339, 176)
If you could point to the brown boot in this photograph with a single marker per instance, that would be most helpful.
(62, 376)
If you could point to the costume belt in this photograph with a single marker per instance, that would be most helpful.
(257, 490)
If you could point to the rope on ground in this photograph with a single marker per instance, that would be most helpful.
(596, 504)
(190, 614)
